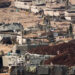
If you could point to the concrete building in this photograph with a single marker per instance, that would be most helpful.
(40, 2)
(23, 4)
(4, 3)
(10, 27)
(24, 0)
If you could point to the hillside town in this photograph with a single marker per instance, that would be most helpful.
(37, 37)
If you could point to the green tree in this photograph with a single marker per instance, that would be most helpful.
(70, 29)
(67, 4)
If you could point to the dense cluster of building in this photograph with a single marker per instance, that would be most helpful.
(34, 55)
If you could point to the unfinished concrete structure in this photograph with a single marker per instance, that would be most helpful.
(70, 13)
(39, 2)
(4, 3)
(23, 4)
(13, 27)
(40, 70)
